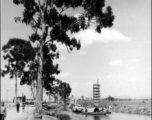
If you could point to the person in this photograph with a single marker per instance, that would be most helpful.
(3, 111)
(102, 109)
(24, 99)
(23, 106)
(96, 109)
(86, 110)
(18, 106)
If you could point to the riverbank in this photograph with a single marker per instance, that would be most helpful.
(139, 111)
(51, 114)
(139, 107)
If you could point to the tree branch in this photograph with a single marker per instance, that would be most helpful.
(65, 30)
(36, 25)
(74, 23)
(63, 9)
(45, 6)
(67, 49)
(40, 7)
(34, 21)
(39, 3)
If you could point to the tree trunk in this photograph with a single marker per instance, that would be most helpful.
(39, 90)
(15, 88)
(49, 97)
(32, 89)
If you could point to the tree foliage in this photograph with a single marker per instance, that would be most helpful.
(50, 13)
(60, 88)
(18, 53)
(110, 98)
(48, 17)
(64, 90)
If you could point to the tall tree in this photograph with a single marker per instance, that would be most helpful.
(18, 53)
(64, 92)
(48, 17)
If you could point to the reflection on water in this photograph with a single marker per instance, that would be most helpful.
(102, 117)
(113, 116)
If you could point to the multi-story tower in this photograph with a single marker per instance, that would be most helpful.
(96, 94)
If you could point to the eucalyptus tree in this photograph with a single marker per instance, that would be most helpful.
(18, 53)
(64, 91)
(49, 17)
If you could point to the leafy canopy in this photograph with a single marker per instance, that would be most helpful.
(49, 18)
(51, 13)
(18, 53)
(64, 90)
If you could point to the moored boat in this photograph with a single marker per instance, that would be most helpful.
(94, 113)
(109, 112)
(77, 109)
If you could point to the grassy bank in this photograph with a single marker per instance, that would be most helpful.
(125, 106)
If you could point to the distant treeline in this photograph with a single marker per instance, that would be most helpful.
(127, 99)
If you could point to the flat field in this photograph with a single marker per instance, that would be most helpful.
(131, 103)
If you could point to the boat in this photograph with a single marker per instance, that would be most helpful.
(106, 110)
(94, 113)
(109, 112)
(77, 109)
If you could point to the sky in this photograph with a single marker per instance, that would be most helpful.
(119, 57)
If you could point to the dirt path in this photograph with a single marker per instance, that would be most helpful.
(12, 114)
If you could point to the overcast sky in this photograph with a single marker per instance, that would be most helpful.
(119, 57)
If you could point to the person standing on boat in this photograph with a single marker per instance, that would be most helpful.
(86, 110)
(96, 109)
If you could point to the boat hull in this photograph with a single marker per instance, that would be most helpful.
(108, 112)
(77, 111)
(95, 113)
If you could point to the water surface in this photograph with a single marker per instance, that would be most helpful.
(113, 116)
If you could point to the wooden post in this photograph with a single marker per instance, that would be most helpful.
(6, 95)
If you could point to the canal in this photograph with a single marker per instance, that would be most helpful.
(113, 116)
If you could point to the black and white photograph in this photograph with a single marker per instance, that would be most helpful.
(75, 60)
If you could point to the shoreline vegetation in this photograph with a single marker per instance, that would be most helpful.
(139, 111)
(140, 107)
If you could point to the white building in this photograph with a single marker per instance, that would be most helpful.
(96, 94)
